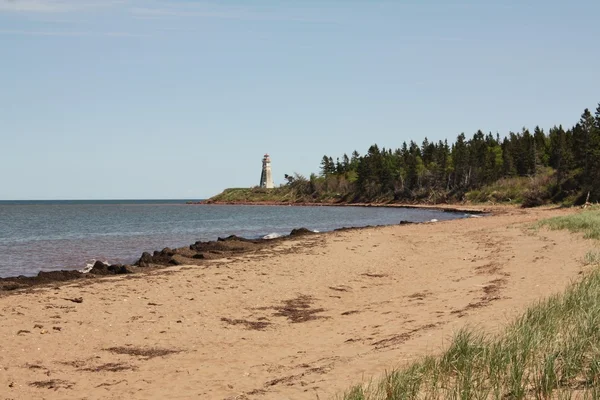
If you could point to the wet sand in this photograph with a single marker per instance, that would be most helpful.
(303, 320)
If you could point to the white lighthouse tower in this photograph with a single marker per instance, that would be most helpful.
(266, 178)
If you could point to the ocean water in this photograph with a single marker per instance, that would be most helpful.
(50, 235)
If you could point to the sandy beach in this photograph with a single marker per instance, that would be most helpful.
(303, 320)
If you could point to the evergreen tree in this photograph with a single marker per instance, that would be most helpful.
(413, 171)
(560, 153)
(541, 148)
(346, 163)
(327, 166)
(460, 158)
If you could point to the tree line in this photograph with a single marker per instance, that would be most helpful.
(439, 171)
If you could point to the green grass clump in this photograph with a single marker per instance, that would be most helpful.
(552, 351)
(592, 257)
(587, 222)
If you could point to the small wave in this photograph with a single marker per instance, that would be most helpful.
(316, 231)
(88, 266)
(434, 220)
(272, 236)
(472, 216)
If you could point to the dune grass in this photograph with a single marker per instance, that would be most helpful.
(551, 352)
(587, 222)
(592, 257)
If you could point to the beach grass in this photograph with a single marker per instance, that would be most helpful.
(552, 351)
(586, 222)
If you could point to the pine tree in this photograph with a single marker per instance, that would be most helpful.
(327, 166)
(346, 163)
(541, 148)
(560, 153)
(508, 159)
(594, 157)
(460, 158)
(411, 170)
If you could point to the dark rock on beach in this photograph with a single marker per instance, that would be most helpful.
(166, 252)
(195, 254)
(145, 260)
(301, 232)
(178, 259)
(100, 268)
(234, 238)
(43, 277)
(229, 245)
(58, 276)
(20, 282)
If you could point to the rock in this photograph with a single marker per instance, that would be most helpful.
(233, 238)
(58, 276)
(145, 260)
(162, 257)
(100, 268)
(9, 286)
(208, 256)
(301, 232)
(167, 252)
(119, 269)
(178, 260)
(42, 278)
(228, 245)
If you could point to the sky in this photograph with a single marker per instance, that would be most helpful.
(179, 99)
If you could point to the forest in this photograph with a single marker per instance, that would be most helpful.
(531, 167)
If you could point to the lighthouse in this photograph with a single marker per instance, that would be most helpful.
(266, 178)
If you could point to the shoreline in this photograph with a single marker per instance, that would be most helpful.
(165, 258)
(159, 259)
(467, 208)
(311, 315)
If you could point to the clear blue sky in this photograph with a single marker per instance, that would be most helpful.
(180, 99)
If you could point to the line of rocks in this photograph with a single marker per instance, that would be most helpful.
(194, 254)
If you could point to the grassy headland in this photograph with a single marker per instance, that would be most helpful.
(551, 351)
(515, 190)
(528, 167)
(283, 194)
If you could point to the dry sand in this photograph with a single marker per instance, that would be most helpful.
(305, 320)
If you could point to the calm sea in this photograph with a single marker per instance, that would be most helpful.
(51, 235)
